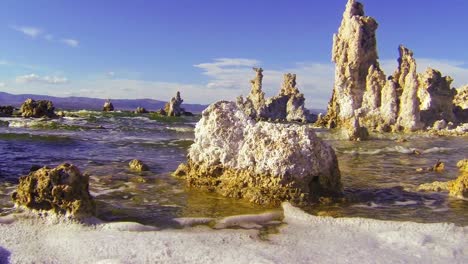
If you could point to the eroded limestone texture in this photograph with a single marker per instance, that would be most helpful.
(141, 110)
(173, 107)
(457, 188)
(288, 105)
(137, 165)
(263, 162)
(108, 106)
(405, 101)
(41, 108)
(62, 190)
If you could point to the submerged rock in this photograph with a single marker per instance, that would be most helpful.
(262, 162)
(141, 110)
(62, 190)
(138, 165)
(457, 188)
(6, 111)
(108, 106)
(38, 109)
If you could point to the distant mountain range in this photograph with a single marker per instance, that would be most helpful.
(78, 103)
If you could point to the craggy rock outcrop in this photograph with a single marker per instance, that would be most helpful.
(354, 52)
(461, 98)
(63, 190)
(141, 110)
(263, 162)
(407, 77)
(288, 105)
(108, 106)
(41, 108)
(137, 165)
(461, 104)
(173, 107)
(436, 97)
(6, 111)
(405, 101)
(457, 188)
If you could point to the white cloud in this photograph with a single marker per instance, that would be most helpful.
(71, 42)
(34, 78)
(315, 80)
(32, 32)
(110, 74)
(2, 85)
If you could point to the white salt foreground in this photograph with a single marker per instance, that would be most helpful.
(303, 239)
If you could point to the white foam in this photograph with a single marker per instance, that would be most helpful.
(303, 239)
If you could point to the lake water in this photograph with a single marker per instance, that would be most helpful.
(379, 175)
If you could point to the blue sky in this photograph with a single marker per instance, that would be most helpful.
(150, 49)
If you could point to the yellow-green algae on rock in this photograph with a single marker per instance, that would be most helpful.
(62, 190)
(457, 188)
(260, 161)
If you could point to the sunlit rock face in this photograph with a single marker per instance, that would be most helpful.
(108, 106)
(288, 105)
(436, 97)
(460, 102)
(173, 107)
(41, 108)
(408, 115)
(354, 52)
(62, 190)
(363, 97)
(263, 162)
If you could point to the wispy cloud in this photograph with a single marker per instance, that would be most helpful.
(228, 73)
(34, 78)
(3, 62)
(2, 85)
(71, 42)
(35, 32)
(110, 74)
(32, 32)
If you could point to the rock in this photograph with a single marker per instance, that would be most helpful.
(459, 188)
(288, 105)
(108, 106)
(141, 110)
(38, 109)
(437, 167)
(137, 165)
(172, 108)
(263, 162)
(409, 119)
(440, 125)
(463, 165)
(6, 111)
(354, 53)
(460, 102)
(405, 101)
(436, 186)
(62, 190)
(461, 97)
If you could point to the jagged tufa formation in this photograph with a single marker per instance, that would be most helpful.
(288, 105)
(38, 109)
(363, 98)
(263, 162)
(62, 190)
(108, 106)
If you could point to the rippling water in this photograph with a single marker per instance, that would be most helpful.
(379, 175)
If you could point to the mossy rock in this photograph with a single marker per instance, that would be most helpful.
(62, 190)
